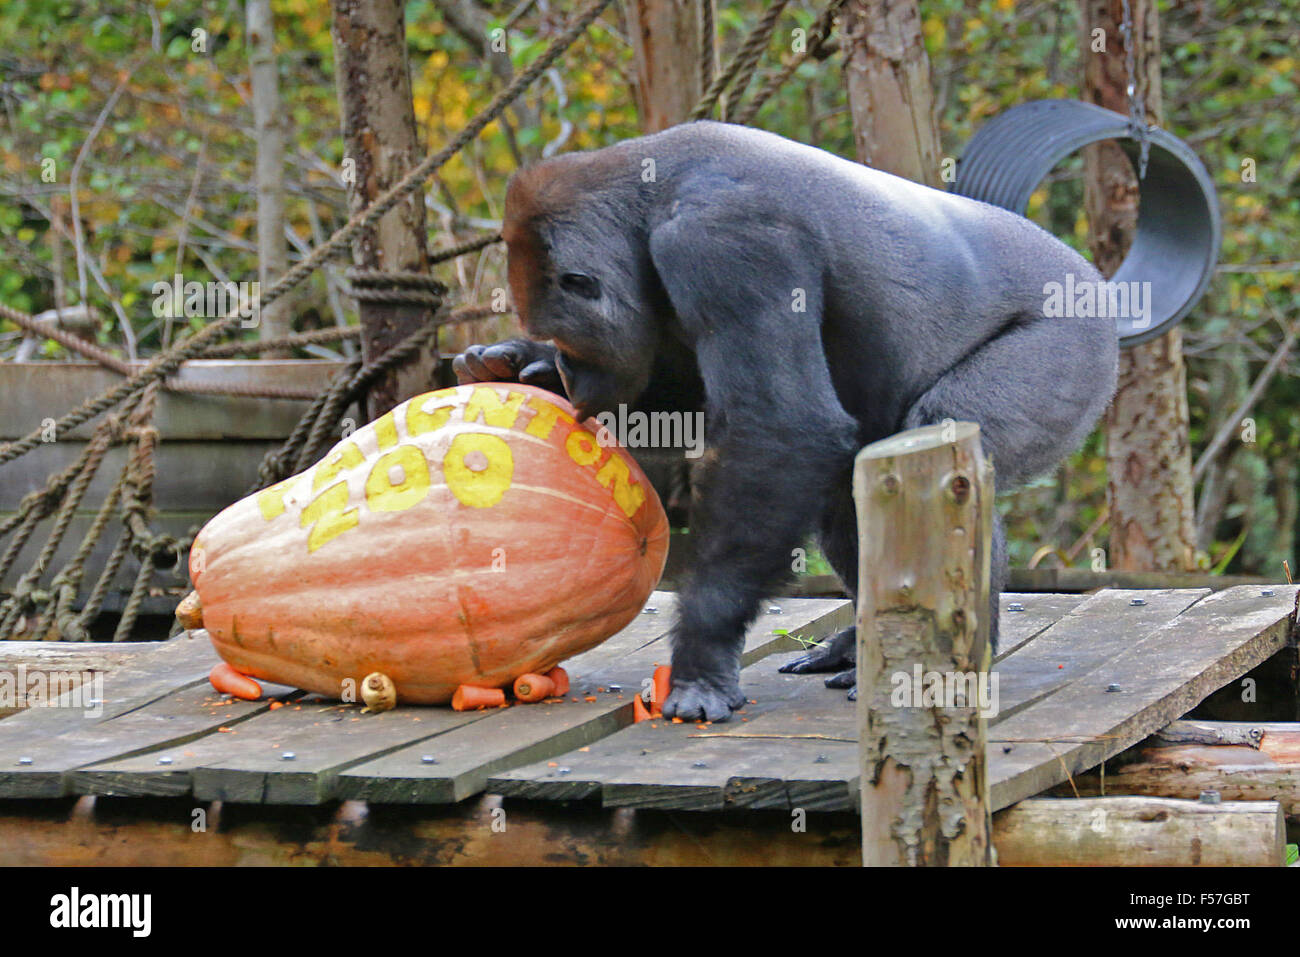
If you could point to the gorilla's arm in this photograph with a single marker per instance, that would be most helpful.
(745, 285)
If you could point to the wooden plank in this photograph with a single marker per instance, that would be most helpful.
(34, 672)
(145, 675)
(1085, 579)
(45, 767)
(793, 746)
(1103, 625)
(466, 757)
(1035, 613)
(1160, 677)
(162, 832)
(249, 765)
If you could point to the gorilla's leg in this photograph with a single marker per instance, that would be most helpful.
(838, 537)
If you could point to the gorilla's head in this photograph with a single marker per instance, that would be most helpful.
(581, 276)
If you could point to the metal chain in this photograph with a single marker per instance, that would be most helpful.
(1137, 109)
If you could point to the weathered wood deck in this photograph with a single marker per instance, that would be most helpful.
(1080, 679)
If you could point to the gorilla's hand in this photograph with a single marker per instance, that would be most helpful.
(515, 360)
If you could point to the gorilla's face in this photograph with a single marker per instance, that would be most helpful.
(582, 279)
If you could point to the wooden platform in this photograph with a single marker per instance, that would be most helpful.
(1081, 678)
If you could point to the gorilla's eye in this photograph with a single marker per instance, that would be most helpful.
(588, 287)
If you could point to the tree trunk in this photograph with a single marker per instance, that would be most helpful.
(887, 73)
(275, 320)
(666, 44)
(374, 87)
(1152, 507)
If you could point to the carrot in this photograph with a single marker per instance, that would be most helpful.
(639, 712)
(229, 681)
(472, 698)
(531, 688)
(662, 684)
(561, 679)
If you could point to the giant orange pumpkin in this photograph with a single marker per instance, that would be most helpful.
(468, 536)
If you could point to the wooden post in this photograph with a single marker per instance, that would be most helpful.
(925, 516)
(1140, 832)
(379, 137)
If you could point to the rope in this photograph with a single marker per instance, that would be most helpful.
(743, 63)
(818, 34)
(397, 288)
(165, 363)
(708, 44)
(460, 249)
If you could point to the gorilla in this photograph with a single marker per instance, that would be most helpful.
(808, 305)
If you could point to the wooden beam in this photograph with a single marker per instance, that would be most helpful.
(925, 511)
(1140, 832)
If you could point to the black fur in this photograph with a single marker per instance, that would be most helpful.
(810, 305)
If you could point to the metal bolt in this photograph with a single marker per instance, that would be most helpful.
(614, 689)
(1008, 748)
(428, 759)
(1211, 797)
(164, 760)
(1113, 687)
(24, 760)
(649, 610)
(1015, 606)
(288, 756)
(774, 610)
(1137, 601)
(566, 770)
(1266, 593)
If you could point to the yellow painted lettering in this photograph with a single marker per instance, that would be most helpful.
(271, 499)
(386, 430)
(478, 468)
(628, 494)
(484, 403)
(419, 420)
(583, 447)
(399, 480)
(329, 516)
(344, 456)
(545, 417)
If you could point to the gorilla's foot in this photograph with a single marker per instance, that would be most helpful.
(700, 699)
(845, 679)
(835, 655)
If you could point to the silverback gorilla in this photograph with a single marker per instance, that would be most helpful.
(809, 305)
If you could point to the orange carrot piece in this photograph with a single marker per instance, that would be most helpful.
(662, 684)
(639, 712)
(561, 679)
(472, 698)
(229, 681)
(531, 688)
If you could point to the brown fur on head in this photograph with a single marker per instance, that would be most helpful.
(579, 266)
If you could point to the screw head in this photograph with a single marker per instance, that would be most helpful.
(699, 764)
(1015, 606)
(774, 610)
(1266, 593)
(1137, 601)
(428, 759)
(614, 689)
(820, 759)
(1113, 688)
(24, 761)
(566, 770)
(288, 756)
(649, 610)
(1210, 797)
